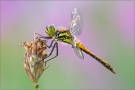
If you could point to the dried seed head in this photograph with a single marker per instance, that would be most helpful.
(33, 54)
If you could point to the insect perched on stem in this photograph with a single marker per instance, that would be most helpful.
(34, 53)
(67, 35)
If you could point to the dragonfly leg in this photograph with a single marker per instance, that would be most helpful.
(45, 37)
(56, 44)
(50, 44)
(41, 36)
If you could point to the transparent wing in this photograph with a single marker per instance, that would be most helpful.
(78, 51)
(76, 23)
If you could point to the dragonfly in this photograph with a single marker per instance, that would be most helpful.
(67, 35)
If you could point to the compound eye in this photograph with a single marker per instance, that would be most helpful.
(52, 26)
(46, 27)
(49, 26)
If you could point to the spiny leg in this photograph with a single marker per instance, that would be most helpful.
(41, 36)
(56, 44)
(50, 54)
(50, 44)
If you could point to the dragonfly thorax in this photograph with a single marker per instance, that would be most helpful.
(63, 35)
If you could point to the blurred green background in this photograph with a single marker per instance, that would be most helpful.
(108, 31)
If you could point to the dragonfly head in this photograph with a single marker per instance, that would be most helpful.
(50, 30)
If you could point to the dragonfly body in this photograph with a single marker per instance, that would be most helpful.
(67, 35)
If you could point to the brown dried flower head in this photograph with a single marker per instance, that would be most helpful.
(34, 53)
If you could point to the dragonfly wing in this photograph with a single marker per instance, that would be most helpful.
(76, 23)
(78, 51)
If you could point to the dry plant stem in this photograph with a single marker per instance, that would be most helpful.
(38, 88)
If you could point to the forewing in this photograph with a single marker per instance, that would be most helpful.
(76, 23)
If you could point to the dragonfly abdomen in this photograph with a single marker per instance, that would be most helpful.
(102, 61)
